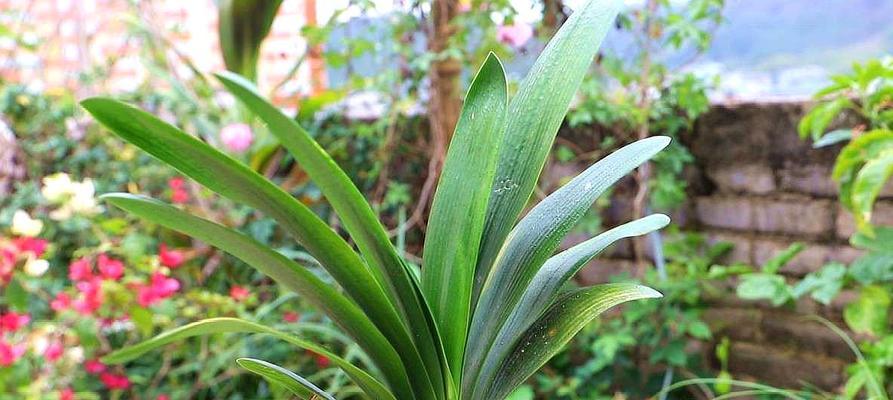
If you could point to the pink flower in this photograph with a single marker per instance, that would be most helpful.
(80, 270)
(291, 316)
(176, 182)
(10, 353)
(179, 195)
(54, 351)
(160, 287)
(114, 381)
(515, 35)
(238, 293)
(170, 258)
(94, 366)
(163, 397)
(31, 245)
(61, 302)
(66, 394)
(91, 298)
(12, 321)
(110, 268)
(236, 137)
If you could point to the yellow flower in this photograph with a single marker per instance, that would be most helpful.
(24, 225)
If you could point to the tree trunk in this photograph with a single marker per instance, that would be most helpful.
(553, 17)
(445, 101)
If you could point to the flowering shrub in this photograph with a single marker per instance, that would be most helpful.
(77, 281)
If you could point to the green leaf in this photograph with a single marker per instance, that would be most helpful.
(567, 315)
(868, 184)
(833, 137)
(242, 26)
(142, 318)
(275, 374)
(228, 177)
(457, 215)
(535, 114)
(360, 221)
(234, 325)
(547, 282)
(823, 285)
(869, 313)
(286, 272)
(873, 267)
(16, 295)
(536, 238)
(782, 258)
(761, 286)
(817, 120)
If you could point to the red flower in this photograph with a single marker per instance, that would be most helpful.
(33, 245)
(291, 316)
(179, 194)
(114, 381)
(170, 258)
(12, 321)
(94, 366)
(160, 287)
(10, 353)
(66, 394)
(91, 298)
(323, 361)
(176, 183)
(110, 268)
(163, 397)
(238, 293)
(53, 351)
(80, 270)
(61, 302)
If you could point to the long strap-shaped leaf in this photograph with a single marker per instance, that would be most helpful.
(370, 385)
(460, 203)
(355, 213)
(537, 236)
(294, 383)
(236, 181)
(286, 272)
(570, 313)
(547, 282)
(535, 114)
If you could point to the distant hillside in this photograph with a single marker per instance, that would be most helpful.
(770, 34)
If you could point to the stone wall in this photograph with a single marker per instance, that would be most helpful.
(757, 185)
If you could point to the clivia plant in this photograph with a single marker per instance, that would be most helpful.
(488, 307)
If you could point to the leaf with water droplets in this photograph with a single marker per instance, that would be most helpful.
(565, 317)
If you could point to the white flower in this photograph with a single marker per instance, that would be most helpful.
(56, 187)
(74, 197)
(82, 200)
(24, 225)
(75, 354)
(36, 267)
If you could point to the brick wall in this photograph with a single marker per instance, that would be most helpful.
(757, 185)
(73, 36)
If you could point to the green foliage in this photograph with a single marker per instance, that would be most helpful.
(863, 167)
(243, 26)
(626, 354)
(414, 345)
